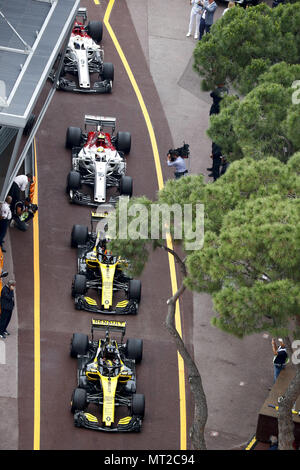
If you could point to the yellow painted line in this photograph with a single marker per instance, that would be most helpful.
(37, 329)
(182, 398)
(251, 443)
(97, 2)
(138, 94)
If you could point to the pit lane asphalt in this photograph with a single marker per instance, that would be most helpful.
(158, 373)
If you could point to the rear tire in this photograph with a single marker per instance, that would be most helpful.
(95, 30)
(79, 400)
(79, 285)
(73, 181)
(123, 141)
(73, 137)
(138, 405)
(79, 235)
(108, 72)
(79, 344)
(134, 349)
(126, 186)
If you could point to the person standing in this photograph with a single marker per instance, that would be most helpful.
(217, 95)
(280, 357)
(195, 18)
(224, 165)
(5, 217)
(216, 156)
(230, 5)
(7, 306)
(207, 18)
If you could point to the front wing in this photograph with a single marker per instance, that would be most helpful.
(129, 307)
(86, 420)
(104, 86)
(77, 197)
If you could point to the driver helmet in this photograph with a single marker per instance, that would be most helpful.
(77, 29)
(101, 139)
(107, 256)
(109, 351)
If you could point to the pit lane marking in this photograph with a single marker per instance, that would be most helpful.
(37, 335)
(181, 373)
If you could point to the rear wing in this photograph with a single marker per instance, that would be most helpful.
(81, 12)
(100, 122)
(107, 325)
(101, 214)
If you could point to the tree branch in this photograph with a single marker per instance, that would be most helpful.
(195, 381)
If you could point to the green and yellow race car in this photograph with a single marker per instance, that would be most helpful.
(106, 379)
(102, 271)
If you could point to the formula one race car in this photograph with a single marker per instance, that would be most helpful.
(98, 160)
(99, 269)
(84, 57)
(106, 375)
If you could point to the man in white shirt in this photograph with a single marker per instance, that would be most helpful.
(23, 181)
(19, 185)
(5, 217)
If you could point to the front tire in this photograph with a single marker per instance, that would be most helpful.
(138, 405)
(79, 400)
(126, 186)
(108, 72)
(73, 181)
(134, 290)
(79, 285)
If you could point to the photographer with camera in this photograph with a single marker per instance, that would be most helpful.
(175, 160)
(23, 213)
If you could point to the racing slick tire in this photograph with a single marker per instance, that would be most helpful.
(108, 72)
(123, 141)
(134, 349)
(134, 290)
(95, 30)
(73, 181)
(126, 186)
(79, 344)
(79, 400)
(79, 235)
(138, 404)
(73, 137)
(79, 285)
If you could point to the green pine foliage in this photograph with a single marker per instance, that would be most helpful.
(244, 42)
(250, 259)
(265, 122)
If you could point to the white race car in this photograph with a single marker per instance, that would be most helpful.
(84, 56)
(98, 160)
